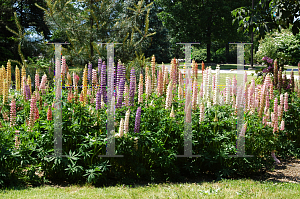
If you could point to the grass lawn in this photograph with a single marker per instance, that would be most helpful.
(223, 79)
(243, 188)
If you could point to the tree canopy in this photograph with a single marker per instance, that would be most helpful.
(268, 15)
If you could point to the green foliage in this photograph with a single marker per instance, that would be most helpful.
(268, 15)
(152, 158)
(283, 46)
(85, 24)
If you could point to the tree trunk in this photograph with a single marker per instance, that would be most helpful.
(208, 56)
(227, 52)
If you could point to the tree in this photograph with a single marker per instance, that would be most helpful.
(8, 49)
(200, 21)
(86, 23)
(268, 15)
(160, 42)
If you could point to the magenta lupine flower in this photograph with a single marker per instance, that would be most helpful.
(286, 102)
(120, 93)
(76, 79)
(132, 87)
(90, 72)
(98, 100)
(13, 114)
(138, 120)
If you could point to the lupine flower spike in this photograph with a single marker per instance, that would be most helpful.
(137, 120)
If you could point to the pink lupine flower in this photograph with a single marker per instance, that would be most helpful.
(188, 117)
(286, 102)
(280, 112)
(49, 113)
(169, 97)
(195, 92)
(267, 100)
(94, 77)
(180, 93)
(275, 117)
(63, 66)
(148, 86)
(32, 113)
(160, 83)
(201, 90)
(43, 83)
(37, 81)
(17, 141)
(36, 113)
(76, 79)
(13, 112)
(243, 130)
(70, 96)
(271, 91)
(282, 125)
(201, 117)
(140, 91)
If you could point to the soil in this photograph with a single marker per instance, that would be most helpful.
(287, 171)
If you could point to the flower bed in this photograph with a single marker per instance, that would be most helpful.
(149, 126)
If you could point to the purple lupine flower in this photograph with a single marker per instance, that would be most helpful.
(118, 73)
(103, 82)
(132, 87)
(99, 66)
(137, 120)
(90, 72)
(264, 58)
(120, 93)
(27, 92)
(98, 99)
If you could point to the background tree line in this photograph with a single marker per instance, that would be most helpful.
(144, 27)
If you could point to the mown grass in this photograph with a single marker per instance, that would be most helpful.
(243, 188)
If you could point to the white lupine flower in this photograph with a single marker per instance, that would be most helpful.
(121, 128)
(169, 97)
(202, 109)
(172, 114)
(126, 123)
